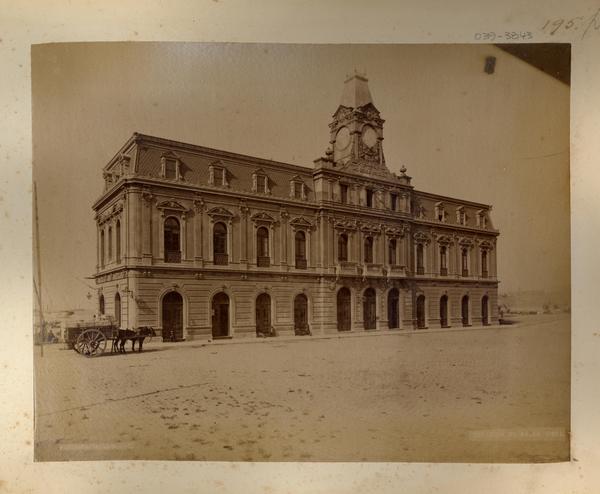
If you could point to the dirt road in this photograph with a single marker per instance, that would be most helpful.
(464, 395)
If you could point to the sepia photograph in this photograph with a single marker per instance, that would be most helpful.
(301, 252)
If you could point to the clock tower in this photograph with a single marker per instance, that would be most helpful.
(356, 132)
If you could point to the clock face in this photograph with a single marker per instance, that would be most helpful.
(342, 139)
(369, 136)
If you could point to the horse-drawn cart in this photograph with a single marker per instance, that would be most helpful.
(90, 339)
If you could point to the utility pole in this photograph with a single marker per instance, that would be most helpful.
(38, 286)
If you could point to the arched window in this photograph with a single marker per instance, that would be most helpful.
(443, 260)
(220, 243)
(343, 247)
(484, 263)
(300, 249)
(110, 243)
(101, 304)
(392, 252)
(172, 240)
(262, 247)
(118, 310)
(102, 248)
(465, 261)
(368, 249)
(118, 239)
(420, 259)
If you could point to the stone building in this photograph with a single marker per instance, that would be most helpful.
(198, 242)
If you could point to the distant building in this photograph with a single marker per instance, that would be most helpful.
(197, 242)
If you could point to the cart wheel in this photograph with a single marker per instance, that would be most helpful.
(91, 342)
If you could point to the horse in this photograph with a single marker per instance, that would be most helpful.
(138, 335)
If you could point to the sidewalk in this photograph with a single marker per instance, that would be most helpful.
(208, 341)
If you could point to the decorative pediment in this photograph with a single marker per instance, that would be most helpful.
(301, 223)
(345, 224)
(466, 242)
(485, 245)
(444, 240)
(219, 212)
(421, 237)
(370, 229)
(262, 217)
(172, 206)
(392, 231)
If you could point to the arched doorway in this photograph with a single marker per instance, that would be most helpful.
(370, 309)
(301, 315)
(344, 319)
(484, 310)
(421, 312)
(464, 309)
(220, 315)
(444, 311)
(172, 317)
(393, 309)
(263, 314)
(118, 310)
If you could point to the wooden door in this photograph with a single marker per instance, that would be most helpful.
(393, 306)
(172, 317)
(300, 314)
(344, 319)
(484, 310)
(444, 311)
(220, 315)
(465, 310)
(369, 309)
(263, 314)
(421, 311)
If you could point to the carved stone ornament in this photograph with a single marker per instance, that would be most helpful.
(171, 206)
(220, 213)
(301, 223)
(421, 237)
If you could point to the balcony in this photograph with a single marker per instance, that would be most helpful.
(300, 263)
(420, 270)
(484, 274)
(443, 271)
(221, 259)
(172, 256)
(263, 261)
(465, 273)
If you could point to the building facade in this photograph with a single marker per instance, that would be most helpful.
(199, 242)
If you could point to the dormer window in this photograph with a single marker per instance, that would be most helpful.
(170, 168)
(440, 212)
(461, 216)
(260, 182)
(217, 175)
(481, 219)
(297, 188)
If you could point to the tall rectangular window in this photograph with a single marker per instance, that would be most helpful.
(369, 198)
(344, 193)
(392, 252)
(394, 202)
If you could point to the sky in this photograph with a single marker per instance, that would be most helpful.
(500, 139)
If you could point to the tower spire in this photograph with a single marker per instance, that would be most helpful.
(356, 92)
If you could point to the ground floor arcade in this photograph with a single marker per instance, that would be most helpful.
(181, 308)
